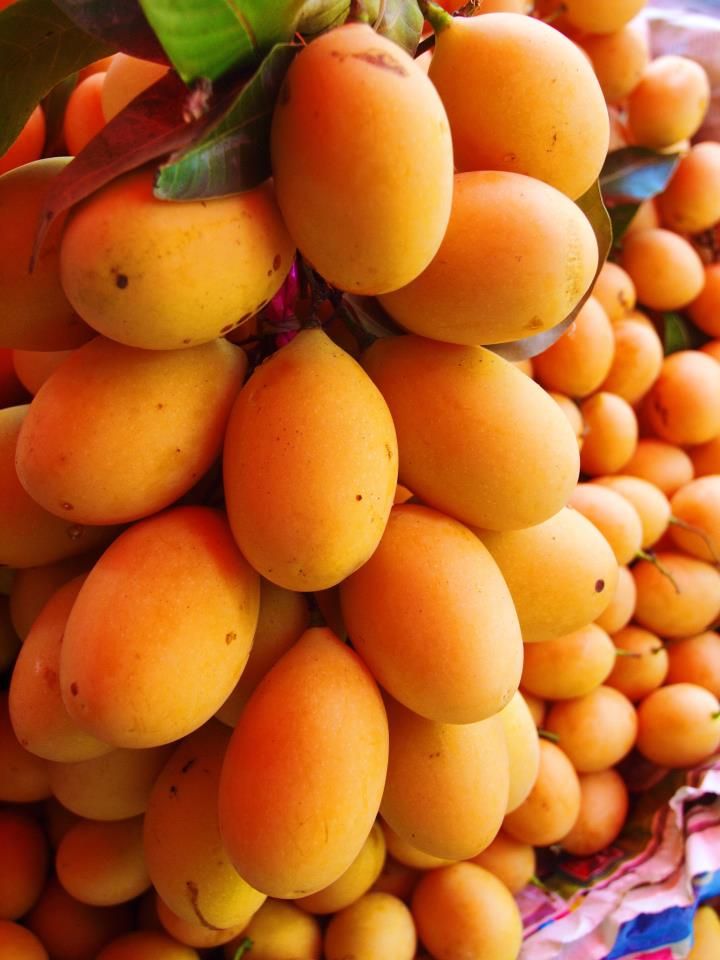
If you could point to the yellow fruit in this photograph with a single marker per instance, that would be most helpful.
(547, 118)
(619, 57)
(637, 360)
(619, 611)
(603, 809)
(161, 275)
(355, 882)
(479, 291)
(667, 272)
(677, 597)
(613, 515)
(24, 864)
(147, 945)
(579, 573)
(405, 620)
(579, 361)
(349, 182)
(553, 804)
(577, 721)
(696, 660)
(36, 312)
(679, 725)
(304, 773)
(480, 417)
(373, 928)
(523, 749)
(118, 433)
(103, 863)
(670, 101)
(569, 666)
(611, 433)
(280, 931)
(464, 911)
(447, 784)
(125, 79)
(691, 201)
(706, 935)
(512, 861)
(185, 606)
(185, 856)
(652, 506)
(307, 496)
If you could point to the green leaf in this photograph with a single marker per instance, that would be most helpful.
(402, 22)
(591, 204)
(153, 125)
(634, 174)
(621, 215)
(679, 334)
(235, 155)
(120, 22)
(39, 47)
(245, 946)
(208, 38)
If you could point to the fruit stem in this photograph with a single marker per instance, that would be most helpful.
(715, 716)
(381, 14)
(537, 882)
(691, 528)
(438, 18)
(549, 735)
(242, 948)
(627, 653)
(651, 558)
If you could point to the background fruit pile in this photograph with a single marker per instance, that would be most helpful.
(359, 470)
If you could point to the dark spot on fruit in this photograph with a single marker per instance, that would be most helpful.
(277, 260)
(173, 790)
(66, 506)
(159, 406)
(381, 59)
(534, 323)
(388, 451)
(74, 689)
(121, 281)
(229, 637)
(599, 586)
(187, 340)
(177, 450)
(358, 496)
(187, 766)
(432, 756)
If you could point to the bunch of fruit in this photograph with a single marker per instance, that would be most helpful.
(285, 601)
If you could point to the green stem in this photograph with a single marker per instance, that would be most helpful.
(627, 653)
(438, 18)
(245, 946)
(699, 532)
(549, 735)
(651, 558)
(715, 716)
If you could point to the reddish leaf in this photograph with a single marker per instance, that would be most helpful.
(155, 124)
(119, 22)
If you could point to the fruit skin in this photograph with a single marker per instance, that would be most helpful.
(678, 725)
(304, 773)
(547, 119)
(278, 930)
(698, 505)
(185, 857)
(509, 860)
(146, 945)
(459, 450)
(377, 925)
(515, 260)
(667, 272)
(405, 620)
(553, 804)
(447, 784)
(28, 145)
(638, 675)
(696, 660)
(569, 666)
(19, 943)
(185, 606)
(603, 809)
(706, 935)
(577, 721)
(464, 911)
(24, 864)
(523, 748)
(118, 433)
(161, 275)
(351, 207)
(307, 498)
(30, 536)
(578, 362)
(690, 203)
(579, 573)
(125, 79)
(618, 58)
(669, 103)
(683, 606)
(36, 312)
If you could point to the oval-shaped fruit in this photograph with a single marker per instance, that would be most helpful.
(39, 717)
(185, 856)
(280, 929)
(667, 272)
(118, 433)
(184, 605)
(695, 660)
(480, 417)
(697, 508)
(304, 773)
(569, 666)
(611, 433)
(161, 275)
(24, 864)
(29, 535)
(667, 466)
(147, 945)
(355, 882)
(652, 506)
(547, 118)
(603, 810)
(432, 595)
(36, 312)
(637, 361)
(677, 596)
(691, 201)
(679, 725)
(577, 722)
(348, 181)
(477, 290)
(521, 739)
(510, 860)
(553, 804)
(561, 573)
(376, 925)
(310, 465)
(613, 515)
(670, 101)
(103, 863)
(26, 777)
(447, 784)
(17, 941)
(578, 362)
(464, 911)
(646, 666)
